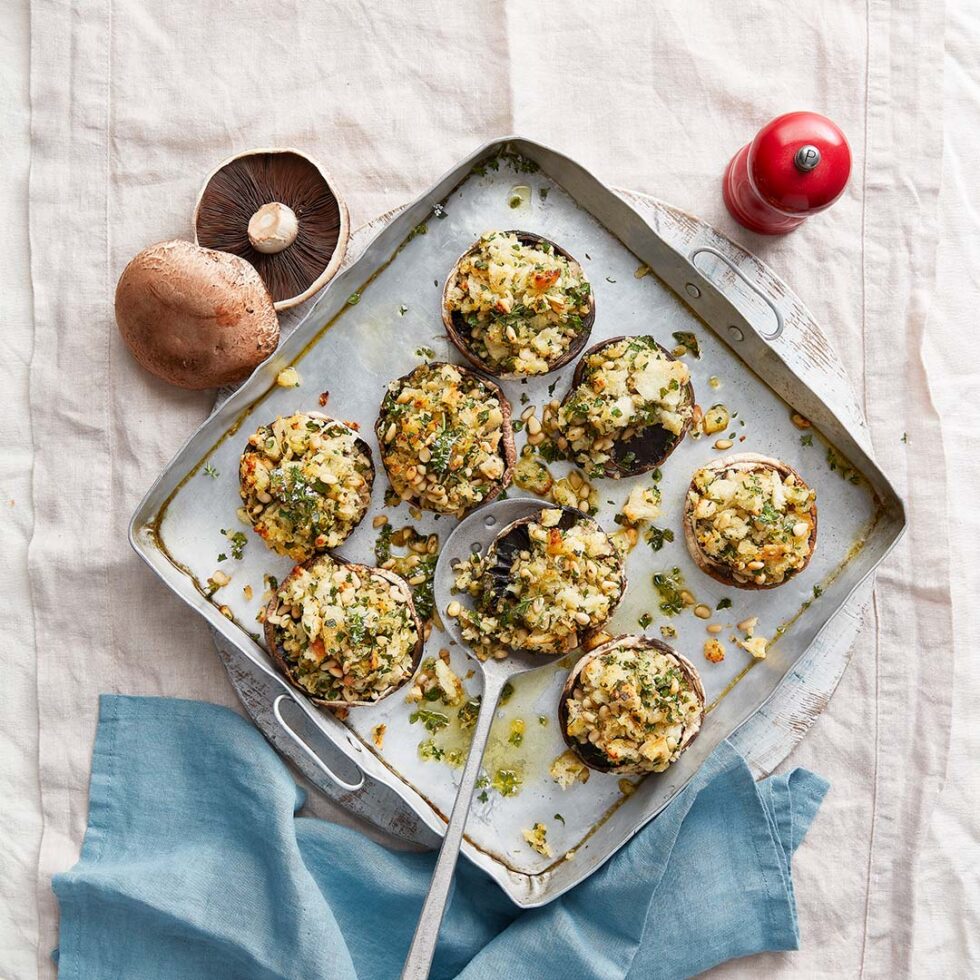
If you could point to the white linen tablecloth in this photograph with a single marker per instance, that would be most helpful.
(129, 104)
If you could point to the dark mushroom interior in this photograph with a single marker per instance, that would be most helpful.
(242, 186)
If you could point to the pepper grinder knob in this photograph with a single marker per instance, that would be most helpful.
(798, 164)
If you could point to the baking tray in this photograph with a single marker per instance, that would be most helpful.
(375, 322)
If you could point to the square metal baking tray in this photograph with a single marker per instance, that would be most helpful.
(372, 324)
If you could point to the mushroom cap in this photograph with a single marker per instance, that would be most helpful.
(720, 572)
(363, 446)
(278, 653)
(316, 230)
(653, 443)
(591, 756)
(459, 334)
(195, 317)
(507, 450)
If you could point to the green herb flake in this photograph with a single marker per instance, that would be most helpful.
(238, 540)
(353, 299)
(426, 353)
(669, 586)
(817, 592)
(656, 537)
(687, 340)
(645, 620)
(725, 603)
(806, 440)
(402, 310)
(210, 471)
(558, 816)
(433, 721)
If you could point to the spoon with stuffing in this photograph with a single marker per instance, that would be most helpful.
(501, 526)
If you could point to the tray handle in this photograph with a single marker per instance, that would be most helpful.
(308, 752)
(771, 335)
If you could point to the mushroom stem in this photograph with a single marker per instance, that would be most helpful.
(273, 228)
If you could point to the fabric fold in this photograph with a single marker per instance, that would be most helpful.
(196, 864)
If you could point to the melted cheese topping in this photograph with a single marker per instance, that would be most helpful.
(637, 707)
(625, 387)
(440, 432)
(523, 305)
(305, 484)
(756, 523)
(565, 584)
(347, 635)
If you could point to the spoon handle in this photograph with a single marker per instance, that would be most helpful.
(427, 931)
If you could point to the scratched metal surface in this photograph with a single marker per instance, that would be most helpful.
(371, 341)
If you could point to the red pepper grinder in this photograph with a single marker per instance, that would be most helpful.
(797, 164)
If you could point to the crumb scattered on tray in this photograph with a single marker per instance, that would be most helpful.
(568, 769)
(288, 378)
(537, 839)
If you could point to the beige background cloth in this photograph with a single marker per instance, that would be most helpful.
(115, 109)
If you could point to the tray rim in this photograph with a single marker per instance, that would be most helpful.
(191, 453)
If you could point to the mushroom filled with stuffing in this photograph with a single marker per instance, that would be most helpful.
(750, 521)
(631, 705)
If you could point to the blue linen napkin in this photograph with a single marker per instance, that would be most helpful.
(195, 865)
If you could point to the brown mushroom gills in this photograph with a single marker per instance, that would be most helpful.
(277, 209)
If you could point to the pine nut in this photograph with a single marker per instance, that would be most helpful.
(702, 612)
(723, 444)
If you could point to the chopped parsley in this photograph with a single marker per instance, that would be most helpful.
(656, 536)
(687, 339)
(353, 299)
(645, 620)
(210, 471)
(724, 603)
(402, 310)
(669, 586)
(427, 353)
(433, 721)
(806, 440)
(238, 541)
(558, 816)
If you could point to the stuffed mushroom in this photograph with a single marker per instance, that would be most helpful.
(545, 583)
(305, 483)
(631, 705)
(630, 405)
(446, 439)
(344, 634)
(516, 305)
(750, 521)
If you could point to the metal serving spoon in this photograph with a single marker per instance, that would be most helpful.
(472, 535)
